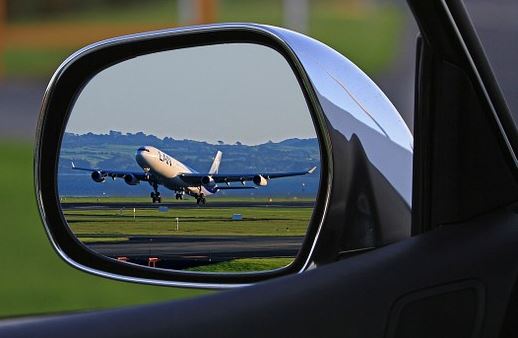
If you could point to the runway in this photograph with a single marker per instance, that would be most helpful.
(189, 250)
(184, 204)
(180, 252)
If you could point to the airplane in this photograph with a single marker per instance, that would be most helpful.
(162, 169)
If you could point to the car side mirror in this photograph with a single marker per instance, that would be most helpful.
(307, 160)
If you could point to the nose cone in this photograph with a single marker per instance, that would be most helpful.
(142, 156)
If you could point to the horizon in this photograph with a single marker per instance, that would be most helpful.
(237, 91)
(166, 138)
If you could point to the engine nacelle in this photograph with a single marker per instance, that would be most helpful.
(260, 180)
(208, 181)
(130, 179)
(98, 177)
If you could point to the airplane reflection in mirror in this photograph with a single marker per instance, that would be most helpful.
(162, 169)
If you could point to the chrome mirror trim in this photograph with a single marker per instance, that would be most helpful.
(364, 141)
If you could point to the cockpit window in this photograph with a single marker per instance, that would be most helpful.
(143, 149)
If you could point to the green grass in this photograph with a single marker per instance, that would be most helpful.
(34, 279)
(245, 265)
(368, 36)
(369, 39)
(256, 221)
(32, 62)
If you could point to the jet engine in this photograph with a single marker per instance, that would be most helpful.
(260, 180)
(130, 179)
(208, 181)
(98, 177)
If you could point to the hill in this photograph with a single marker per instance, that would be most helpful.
(116, 151)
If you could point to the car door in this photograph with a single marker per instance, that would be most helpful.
(455, 277)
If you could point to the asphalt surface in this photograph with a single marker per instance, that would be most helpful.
(20, 102)
(180, 252)
(397, 81)
(496, 22)
(181, 205)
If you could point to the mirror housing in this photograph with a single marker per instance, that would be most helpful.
(364, 200)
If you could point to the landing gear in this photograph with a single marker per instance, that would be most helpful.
(155, 195)
(179, 195)
(200, 199)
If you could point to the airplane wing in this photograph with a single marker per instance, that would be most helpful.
(196, 178)
(102, 173)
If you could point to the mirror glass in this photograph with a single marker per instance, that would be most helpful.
(201, 159)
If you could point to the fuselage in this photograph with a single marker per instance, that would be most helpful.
(166, 169)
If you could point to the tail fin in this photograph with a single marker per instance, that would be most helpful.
(215, 164)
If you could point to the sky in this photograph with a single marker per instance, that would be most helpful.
(225, 92)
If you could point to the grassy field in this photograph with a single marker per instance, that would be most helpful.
(365, 34)
(257, 221)
(34, 279)
(245, 265)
